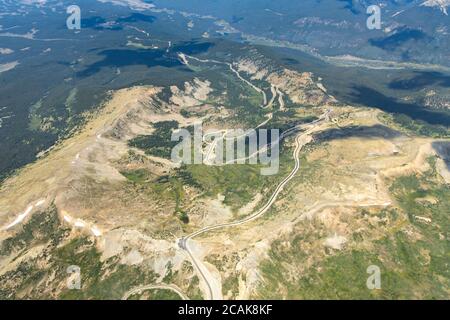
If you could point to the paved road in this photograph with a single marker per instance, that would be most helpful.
(184, 56)
(214, 290)
(141, 289)
(300, 141)
(208, 158)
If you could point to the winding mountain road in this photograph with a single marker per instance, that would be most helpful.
(140, 289)
(214, 292)
(213, 286)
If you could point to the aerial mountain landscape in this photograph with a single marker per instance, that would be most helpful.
(319, 158)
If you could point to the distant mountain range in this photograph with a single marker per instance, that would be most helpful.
(412, 30)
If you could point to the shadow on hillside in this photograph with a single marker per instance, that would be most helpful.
(368, 132)
(442, 148)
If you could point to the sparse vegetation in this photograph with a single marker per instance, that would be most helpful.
(418, 127)
(156, 294)
(137, 176)
(413, 255)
